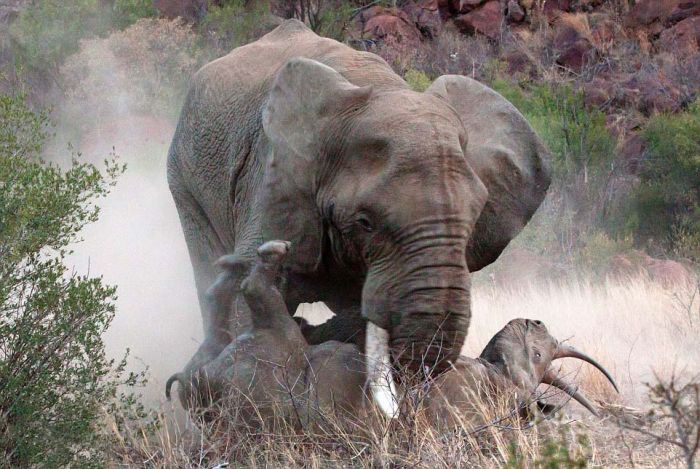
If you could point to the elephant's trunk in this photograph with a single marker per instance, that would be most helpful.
(424, 304)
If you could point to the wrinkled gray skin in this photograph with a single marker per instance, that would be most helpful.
(390, 197)
(270, 372)
(513, 364)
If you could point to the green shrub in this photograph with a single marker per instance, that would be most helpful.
(56, 382)
(48, 31)
(582, 160)
(127, 12)
(144, 69)
(234, 23)
(417, 80)
(576, 135)
(665, 208)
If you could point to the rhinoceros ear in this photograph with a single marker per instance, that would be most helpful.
(306, 106)
(508, 157)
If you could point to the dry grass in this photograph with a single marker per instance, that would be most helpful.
(636, 329)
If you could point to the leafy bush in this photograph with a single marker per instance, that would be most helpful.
(665, 208)
(127, 12)
(144, 69)
(328, 18)
(48, 31)
(236, 22)
(56, 382)
(576, 135)
(582, 161)
(417, 80)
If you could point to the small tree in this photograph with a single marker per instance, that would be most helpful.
(56, 382)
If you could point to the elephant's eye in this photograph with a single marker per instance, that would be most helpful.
(364, 222)
(538, 355)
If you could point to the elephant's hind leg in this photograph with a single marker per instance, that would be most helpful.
(215, 291)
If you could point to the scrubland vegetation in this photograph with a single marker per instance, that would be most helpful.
(88, 72)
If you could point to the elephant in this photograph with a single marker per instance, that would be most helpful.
(269, 373)
(276, 374)
(390, 197)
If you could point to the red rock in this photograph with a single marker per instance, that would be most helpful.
(486, 20)
(553, 8)
(682, 39)
(464, 6)
(518, 61)
(387, 23)
(668, 274)
(574, 50)
(425, 15)
(645, 12)
(515, 12)
(685, 9)
(598, 92)
(622, 267)
(652, 92)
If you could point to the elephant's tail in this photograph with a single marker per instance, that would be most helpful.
(169, 383)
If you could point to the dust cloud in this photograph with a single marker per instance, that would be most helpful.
(138, 245)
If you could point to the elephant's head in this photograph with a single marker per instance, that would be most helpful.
(410, 190)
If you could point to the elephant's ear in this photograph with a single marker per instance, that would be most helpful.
(507, 155)
(307, 105)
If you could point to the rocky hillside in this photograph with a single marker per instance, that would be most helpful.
(610, 85)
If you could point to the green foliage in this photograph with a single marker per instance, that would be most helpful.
(417, 80)
(127, 12)
(556, 453)
(582, 160)
(143, 69)
(333, 20)
(234, 23)
(575, 134)
(597, 250)
(663, 211)
(47, 31)
(56, 382)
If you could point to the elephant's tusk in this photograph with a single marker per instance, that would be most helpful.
(379, 376)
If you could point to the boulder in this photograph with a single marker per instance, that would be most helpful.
(572, 45)
(464, 6)
(646, 12)
(669, 274)
(390, 24)
(681, 40)
(651, 92)
(425, 15)
(685, 9)
(514, 12)
(486, 20)
(623, 267)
